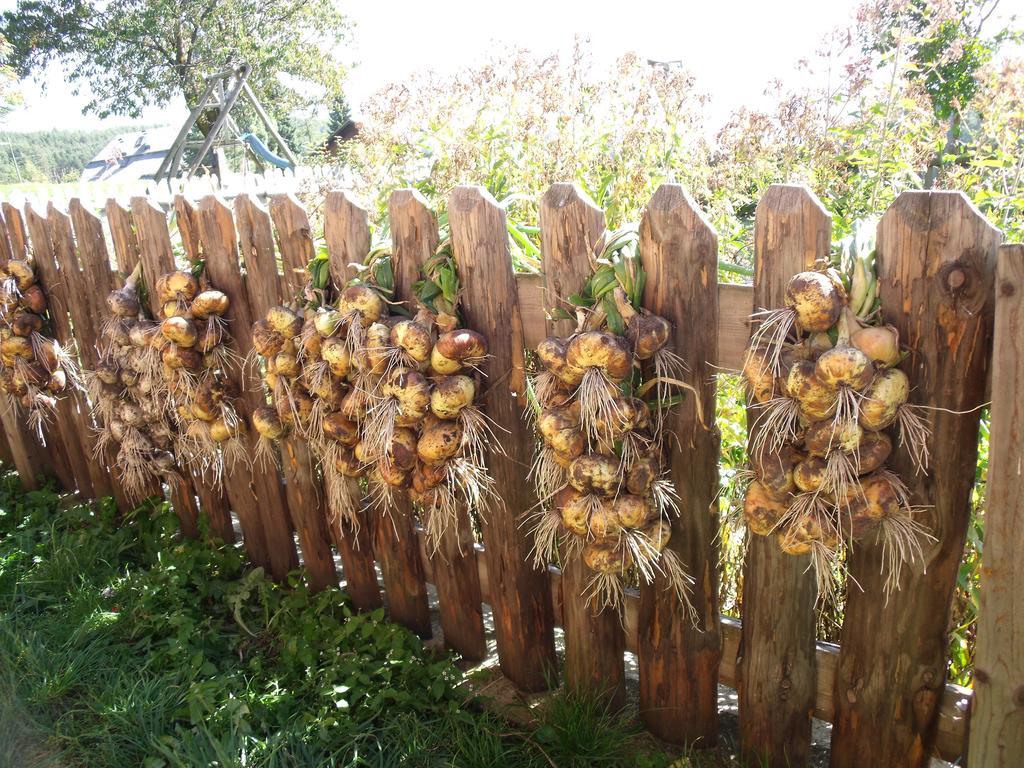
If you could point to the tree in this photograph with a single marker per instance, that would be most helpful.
(135, 53)
(339, 114)
(9, 96)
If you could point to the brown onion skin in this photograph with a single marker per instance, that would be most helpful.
(648, 333)
(34, 300)
(599, 349)
(774, 472)
(605, 556)
(760, 510)
(462, 344)
(815, 299)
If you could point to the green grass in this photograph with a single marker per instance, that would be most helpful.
(121, 644)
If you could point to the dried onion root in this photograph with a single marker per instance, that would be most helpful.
(195, 374)
(821, 438)
(35, 370)
(598, 470)
(129, 399)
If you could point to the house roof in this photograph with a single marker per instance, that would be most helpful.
(130, 155)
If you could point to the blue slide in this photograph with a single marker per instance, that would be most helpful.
(256, 145)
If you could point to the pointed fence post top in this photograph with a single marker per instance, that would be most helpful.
(944, 237)
(414, 237)
(141, 205)
(790, 198)
(673, 203)
(248, 203)
(405, 197)
(571, 227)
(565, 194)
(469, 197)
(81, 212)
(213, 204)
(343, 199)
(56, 212)
(347, 232)
(915, 205)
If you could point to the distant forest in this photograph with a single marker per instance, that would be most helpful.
(51, 156)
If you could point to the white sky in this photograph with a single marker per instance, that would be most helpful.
(734, 47)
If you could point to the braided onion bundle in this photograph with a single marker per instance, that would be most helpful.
(195, 357)
(35, 370)
(830, 406)
(599, 472)
(128, 415)
(423, 430)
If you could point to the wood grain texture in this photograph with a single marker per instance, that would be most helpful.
(520, 594)
(394, 533)
(5, 242)
(306, 500)
(347, 233)
(997, 718)
(678, 658)
(570, 227)
(256, 497)
(23, 448)
(936, 272)
(80, 294)
(122, 237)
(99, 281)
(29, 456)
(348, 241)
(776, 658)
(213, 498)
(414, 238)
(69, 426)
(17, 234)
(143, 234)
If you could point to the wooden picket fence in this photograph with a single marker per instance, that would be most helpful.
(883, 688)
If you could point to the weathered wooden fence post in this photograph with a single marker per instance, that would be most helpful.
(257, 499)
(16, 232)
(395, 538)
(776, 673)
(65, 436)
(520, 594)
(24, 449)
(679, 659)
(415, 238)
(303, 487)
(347, 232)
(80, 293)
(99, 281)
(936, 270)
(570, 228)
(143, 233)
(997, 717)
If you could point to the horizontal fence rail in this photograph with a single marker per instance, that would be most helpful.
(884, 687)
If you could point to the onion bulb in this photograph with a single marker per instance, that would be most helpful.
(123, 302)
(760, 510)
(180, 331)
(177, 286)
(210, 302)
(606, 556)
(815, 300)
(440, 442)
(595, 473)
(450, 395)
(598, 349)
(284, 321)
